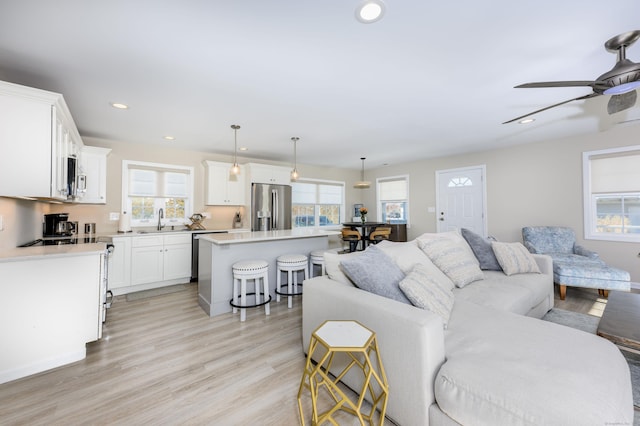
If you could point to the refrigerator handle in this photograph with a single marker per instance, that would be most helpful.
(274, 209)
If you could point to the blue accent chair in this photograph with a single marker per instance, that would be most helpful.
(573, 265)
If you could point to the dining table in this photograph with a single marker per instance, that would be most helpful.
(365, 229)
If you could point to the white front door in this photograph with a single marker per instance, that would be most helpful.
(461, 199)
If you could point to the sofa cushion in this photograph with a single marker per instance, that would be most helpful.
(506, 369)
(451, 253)
(375, 272)
(514, 258)
(408, 255)
(482, 249)
(516, 293)
(332, 266)
(427, 293)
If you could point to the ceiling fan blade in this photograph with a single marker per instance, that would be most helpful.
(621, 102)
(590, 95)
(563, 84)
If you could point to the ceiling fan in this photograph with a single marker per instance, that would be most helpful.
(620, 82)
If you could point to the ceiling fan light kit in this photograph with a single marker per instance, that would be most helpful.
(622, 79)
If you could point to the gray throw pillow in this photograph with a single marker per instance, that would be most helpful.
(376, 272)
(481, 247)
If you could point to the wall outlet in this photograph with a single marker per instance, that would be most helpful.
(1, 223)
(206, 215)
(114, 216)
(431, 209)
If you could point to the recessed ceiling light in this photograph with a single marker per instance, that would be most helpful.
(370, 11)
(526, 121)
(243, 148)
(119, 105)
(169, 138)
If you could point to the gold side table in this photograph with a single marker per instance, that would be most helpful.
(360, 345)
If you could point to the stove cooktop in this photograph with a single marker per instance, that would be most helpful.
(54, 241)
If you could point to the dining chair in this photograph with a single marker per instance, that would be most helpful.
(379, 234)
(351, 236)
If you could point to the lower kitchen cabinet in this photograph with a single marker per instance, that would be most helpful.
(154, 261)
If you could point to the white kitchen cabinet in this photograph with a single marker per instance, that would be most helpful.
(93, 165)
(120, 263)
(222, 187)
(177, 257)
(265, 173)
(38, 127)
(160, 258)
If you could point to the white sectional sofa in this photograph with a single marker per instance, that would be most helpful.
(495, 363)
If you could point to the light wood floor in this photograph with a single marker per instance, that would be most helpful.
(163, 361)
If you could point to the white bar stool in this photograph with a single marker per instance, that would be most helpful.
(317, 258)
(255, 270)
(292, 264)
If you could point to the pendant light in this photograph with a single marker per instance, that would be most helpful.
(235, 169)
(362, 184)
(294, 173)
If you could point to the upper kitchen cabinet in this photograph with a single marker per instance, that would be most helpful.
(42, 161)
(264, 173)
(93, 166)
(224, 188)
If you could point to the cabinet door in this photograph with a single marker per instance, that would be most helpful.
(147, 254)
(223, 188)
(264, 173)
(120, 263)
(93, 164)
(177, 261)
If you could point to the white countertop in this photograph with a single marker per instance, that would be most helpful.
(252, 237)
(35, 252)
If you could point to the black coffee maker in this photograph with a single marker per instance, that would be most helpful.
(57, 225)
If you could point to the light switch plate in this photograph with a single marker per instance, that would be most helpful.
(431, 209)
(1, 223)
(114, 216)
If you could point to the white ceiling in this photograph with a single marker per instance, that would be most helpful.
(429, 79)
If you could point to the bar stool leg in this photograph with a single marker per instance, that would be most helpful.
(257, 290)
(278, 283)
(235, 294)
(243, 296)
(290, 288)
(265, 285)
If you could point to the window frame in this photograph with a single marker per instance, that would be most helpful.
(407, 201)
(317, 206)
(589, 199)
(159, 167)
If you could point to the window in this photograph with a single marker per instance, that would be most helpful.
(149, 187)
(393, 199)
(611, 183)
(317, 203)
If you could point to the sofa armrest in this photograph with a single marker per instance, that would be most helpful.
(545, 263)
(581, 251)
(411, 341)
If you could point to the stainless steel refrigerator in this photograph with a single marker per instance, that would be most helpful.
(270, 207)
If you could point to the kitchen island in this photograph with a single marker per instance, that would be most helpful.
(218, 252)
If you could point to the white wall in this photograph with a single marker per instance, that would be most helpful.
(22, 221)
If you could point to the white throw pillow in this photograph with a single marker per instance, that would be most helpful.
(427, 293)
(408, 255)
(453, 256)
(514, 258)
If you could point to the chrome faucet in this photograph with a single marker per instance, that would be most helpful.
(160, 216)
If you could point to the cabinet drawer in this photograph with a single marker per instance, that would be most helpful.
(178, 238)
(155, 240)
